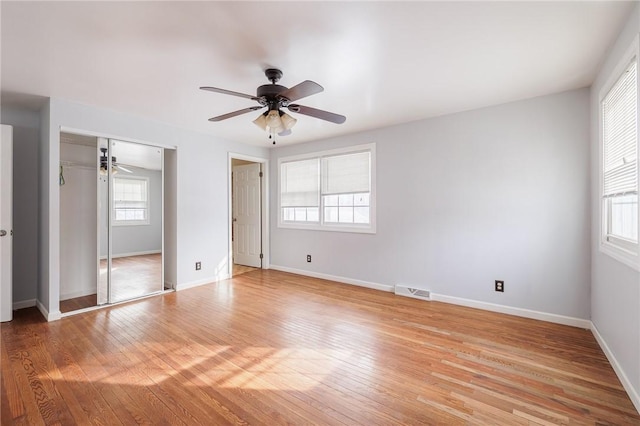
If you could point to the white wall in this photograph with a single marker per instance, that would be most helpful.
(465, 199)
(78, 222)
(25, 201)
(202, 221)
(615, 291)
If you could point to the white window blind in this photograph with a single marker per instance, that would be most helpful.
(619, 121)
(130, 200)
(345, 174)
(330, 190)
(299, 183)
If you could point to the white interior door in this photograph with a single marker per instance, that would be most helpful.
(247, 244)
(6, 223)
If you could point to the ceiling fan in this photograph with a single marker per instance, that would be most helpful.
(104, 163)
(274, 97)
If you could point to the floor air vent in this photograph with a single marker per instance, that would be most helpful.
(416, 293)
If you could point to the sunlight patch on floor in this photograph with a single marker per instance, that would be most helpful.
(255, 368)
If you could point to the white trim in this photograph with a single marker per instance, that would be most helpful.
(369, 228)
(22, 304)
(626, 383)
(79, 293)
(626, 257)
(510, 310)
(49, 316)
(622, 64)
(85, 132)
(203, 281)
(344, 280)
(264, 195)
(618, 253)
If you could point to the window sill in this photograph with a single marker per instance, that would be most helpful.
(621, 255)
(367, 229)
(131, 223)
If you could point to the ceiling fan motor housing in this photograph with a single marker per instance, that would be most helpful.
(270, 91)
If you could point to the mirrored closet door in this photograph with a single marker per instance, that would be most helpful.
(131, 211)
(111, 221)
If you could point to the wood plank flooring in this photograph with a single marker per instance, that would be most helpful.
(132, 276)
(271, 348)
(240, 269)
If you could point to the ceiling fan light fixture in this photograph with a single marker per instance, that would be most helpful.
(261, 121)
(287, 121)
(273, 120)
(103, 171)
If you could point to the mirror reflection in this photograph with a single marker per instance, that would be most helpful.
(111, 221)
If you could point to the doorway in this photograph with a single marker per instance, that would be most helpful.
(248, 243)
(111, 221)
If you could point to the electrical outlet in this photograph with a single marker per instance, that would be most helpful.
(309, 258)
(500, 285)
(198, 266)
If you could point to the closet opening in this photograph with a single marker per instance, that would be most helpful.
(112, 221)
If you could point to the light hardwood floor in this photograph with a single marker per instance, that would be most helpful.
(270, 348)
(132, 276)
(240, 269)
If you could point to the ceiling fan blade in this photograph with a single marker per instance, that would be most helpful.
(286, 132)
(235, 113)
(318, 113)
(302, 90)
(228, 92)
(124, 169)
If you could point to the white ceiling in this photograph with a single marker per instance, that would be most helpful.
(381, 63)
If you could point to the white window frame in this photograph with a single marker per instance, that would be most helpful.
(147, 220)
(620, 249)
(321, 225)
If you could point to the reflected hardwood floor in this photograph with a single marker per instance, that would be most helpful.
(78, 303)
(241, 269)
(132, 276)
(269, 347)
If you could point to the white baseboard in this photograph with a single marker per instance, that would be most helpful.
(191, 284)
(626, 383)
(520, 312)
(21, 304)
(49, 316)
(360, 283)
(135, 253)
(79, 293)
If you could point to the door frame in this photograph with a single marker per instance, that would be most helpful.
(264, 203)
(6, 222)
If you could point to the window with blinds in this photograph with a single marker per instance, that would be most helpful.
(346, 188)
(331, 190)
(299, 191)
(130, 201)
(620, 161)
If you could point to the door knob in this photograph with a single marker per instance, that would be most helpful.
(3, 233)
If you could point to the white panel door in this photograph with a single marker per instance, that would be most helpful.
(247, 244)
(6, 223)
